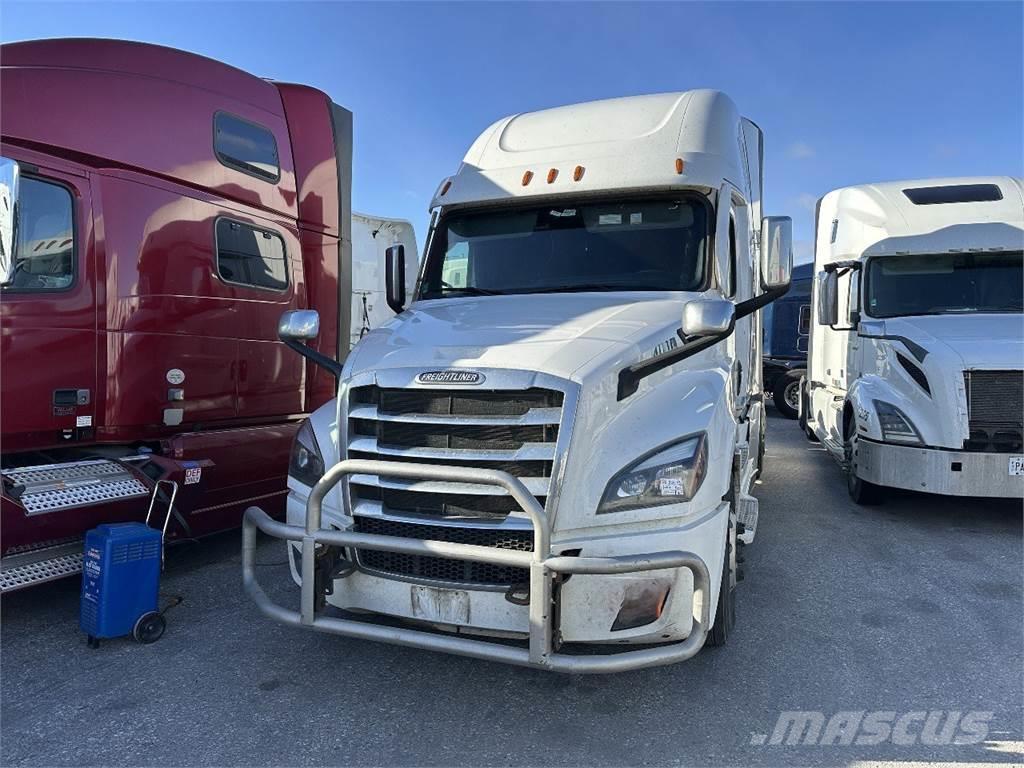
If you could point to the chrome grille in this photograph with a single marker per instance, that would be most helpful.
(513, 431)
(995, 409)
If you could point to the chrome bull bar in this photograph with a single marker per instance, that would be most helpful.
(542, 567)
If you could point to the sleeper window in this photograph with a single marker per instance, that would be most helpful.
(246, 147)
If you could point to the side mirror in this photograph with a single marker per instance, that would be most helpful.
(394, 277)
(10, 175)
(708, 317)
(828, 299)
(776, 251)
(299, 325)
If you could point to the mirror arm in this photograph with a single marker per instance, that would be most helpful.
(843, 265)
(750, 306)
(631, 376)
(330, 365)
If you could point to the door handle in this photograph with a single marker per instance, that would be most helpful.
(71, 396)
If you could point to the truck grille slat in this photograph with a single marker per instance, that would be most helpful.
(449, 504)
(525, 452)
(514, 468)
(515, 431)
(995, 409)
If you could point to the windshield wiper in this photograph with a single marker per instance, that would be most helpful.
(469, 290)
(583, 287)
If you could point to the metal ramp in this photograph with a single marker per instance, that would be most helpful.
(49, 487)
(40, 565)
(52, 487)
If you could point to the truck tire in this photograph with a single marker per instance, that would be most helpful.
(861, 491)
(786, 394)
(725, 613)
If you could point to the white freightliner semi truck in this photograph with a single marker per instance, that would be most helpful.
(557, 439)
(915, 366)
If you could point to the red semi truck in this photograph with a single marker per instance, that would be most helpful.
(159, 211)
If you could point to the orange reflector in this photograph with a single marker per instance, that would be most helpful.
(679, 165)
(446, 187)
(578, 173)
(527, 177)
(552, 175)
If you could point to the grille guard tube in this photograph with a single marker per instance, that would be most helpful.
(541, 565)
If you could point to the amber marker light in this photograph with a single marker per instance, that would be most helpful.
(577, 174)
(527, 177)
(680, 165)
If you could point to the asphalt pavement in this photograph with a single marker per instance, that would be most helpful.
(886, 613)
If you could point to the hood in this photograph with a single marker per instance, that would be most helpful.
(556, 334)
(981, 341)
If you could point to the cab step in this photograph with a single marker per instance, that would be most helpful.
(37, 566)
(49, 487)
(746, 514)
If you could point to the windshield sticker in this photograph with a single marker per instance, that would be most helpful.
(636, 218)
(609, 218)
(565, 212)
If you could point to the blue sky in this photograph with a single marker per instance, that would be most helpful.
(845, 93)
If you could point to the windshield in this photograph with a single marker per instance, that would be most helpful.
(945, 283)
(640, 245)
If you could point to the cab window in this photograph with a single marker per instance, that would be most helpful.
(44, 257)
(250, 256)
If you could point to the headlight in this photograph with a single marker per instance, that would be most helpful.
(306, 463)
(896, 427)
(667, 476)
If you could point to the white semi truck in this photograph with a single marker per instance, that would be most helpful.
(915, 363)
(557, 439)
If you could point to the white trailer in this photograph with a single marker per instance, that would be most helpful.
(557, 439)
(371, 237)
(914, 378)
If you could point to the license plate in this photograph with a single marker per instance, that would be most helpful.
(1017, 465)
(445, 606)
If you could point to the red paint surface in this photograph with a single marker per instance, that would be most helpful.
(129, 128)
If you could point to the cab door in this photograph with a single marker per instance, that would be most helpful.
(48, 313)
(735, 278)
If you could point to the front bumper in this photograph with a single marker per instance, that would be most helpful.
(933, 470)
(543, 569)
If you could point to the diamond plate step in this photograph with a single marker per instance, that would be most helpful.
(50, 487)
(41, 565)
(746, 513)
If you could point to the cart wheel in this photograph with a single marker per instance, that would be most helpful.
(149, 628)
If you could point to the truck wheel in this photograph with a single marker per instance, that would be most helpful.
(861, 491)
(725, 613)
(786, 395)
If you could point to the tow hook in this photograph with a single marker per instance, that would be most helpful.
(518, 594)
